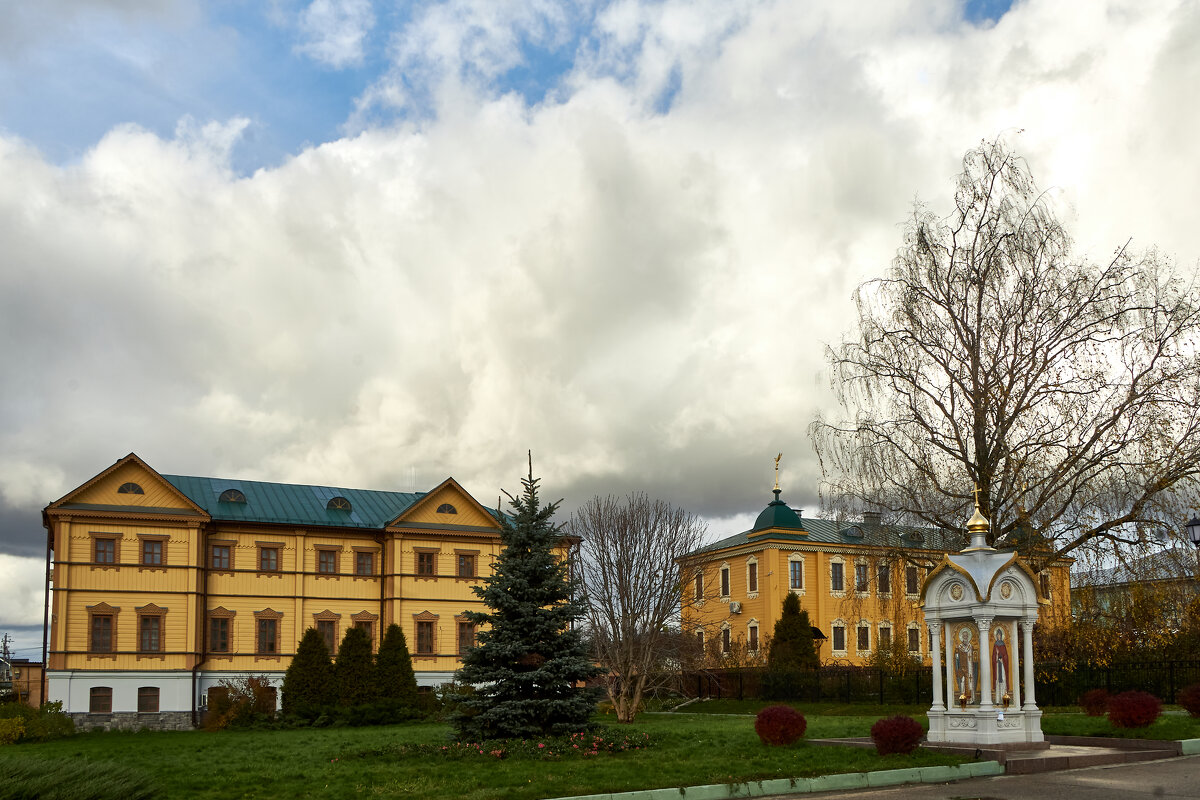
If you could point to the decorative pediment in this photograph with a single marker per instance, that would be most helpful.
(221, 611)
(268, 613)
(364, 616)
(425, 616)
(448, 505)
(129, 484)
(327, 616)
(103, 608)
(150, 609)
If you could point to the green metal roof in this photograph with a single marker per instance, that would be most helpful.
(832, 532)
(777, 514)
(292, 503)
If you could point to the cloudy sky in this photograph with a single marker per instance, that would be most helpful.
(374, 244)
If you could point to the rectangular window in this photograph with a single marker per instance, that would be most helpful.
(268, 630)
(147, 699)
(699, 585)
(218, 635)
(220, 557)
(725, 582)
(912, 580)
(426, 564)
(1044, 582)
(466, 636)
(328, 630)
(864, 637)
(268, 559)
(884, 578)
(885, 638)
(862, 578)
(837, 581)
(425, 638)
(839, 638)
(100, 700)
(152, 552)
(914, 640)
(364, 563)
(149, 634)
(105, 551)
(102, 633)
(754, 637)
(796, 575)
(725, 643)
(466, 566)
(327, 561)
(752, 577)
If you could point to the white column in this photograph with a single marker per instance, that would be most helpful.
(1014, 675)
(951, 689)
(935, 630)
(985, 663)
(1027, 663)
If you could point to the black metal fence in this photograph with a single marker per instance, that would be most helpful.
(1163, 679)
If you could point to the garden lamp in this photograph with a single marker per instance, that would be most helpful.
(1193, 530)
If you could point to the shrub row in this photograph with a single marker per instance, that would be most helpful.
(23, 723)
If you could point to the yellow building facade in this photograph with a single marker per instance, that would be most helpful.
(163, 585)
(859, 582)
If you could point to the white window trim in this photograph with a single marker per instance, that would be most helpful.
(726, 627)
(857, 562)
(721, 581)
(699, 600)
(891, 580)
(917, 627)
(886, 625)
(834, 592)
(862, 623)
(839, 623)
(758, 578)
(753, 623)
(796, 558)
(912, 595)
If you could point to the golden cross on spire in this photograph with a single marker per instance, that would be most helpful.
(976, 493)
(777, 470)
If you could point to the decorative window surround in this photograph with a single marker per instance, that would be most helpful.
(751, 578)
(796, 571)
(837, 577)
(725, 587)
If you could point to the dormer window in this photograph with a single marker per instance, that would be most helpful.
(130, 488)
(446, 508)
(338, 503)
(232, 496)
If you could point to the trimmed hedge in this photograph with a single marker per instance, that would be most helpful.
(898, 734)
(779, 725)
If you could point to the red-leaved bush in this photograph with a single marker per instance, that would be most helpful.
(1094, 702)
(1189, 698)
(779, 725)
(1133, 709)
(898, 734)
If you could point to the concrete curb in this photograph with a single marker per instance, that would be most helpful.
(1189, 747)
(823, 783)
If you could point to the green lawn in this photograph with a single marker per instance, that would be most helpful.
(1168, 726)
(687, 749)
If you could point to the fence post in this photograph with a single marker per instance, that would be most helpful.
(880, 685)
(1171, 680)
(741, 687)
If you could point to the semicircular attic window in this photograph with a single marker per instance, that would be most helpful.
(338, 503)
(232, 496)
(130, 488)
(446, 508)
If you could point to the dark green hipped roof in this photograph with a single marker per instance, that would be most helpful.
(778, 515)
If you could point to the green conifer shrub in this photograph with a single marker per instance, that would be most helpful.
(529, 658)
(792, 656)
(354, 671)
(394, 677)
(308, 684)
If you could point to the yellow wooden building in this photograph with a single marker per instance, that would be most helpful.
(163, 585)
(859, 582)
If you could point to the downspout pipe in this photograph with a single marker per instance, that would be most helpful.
(46, 604)
(201, 652)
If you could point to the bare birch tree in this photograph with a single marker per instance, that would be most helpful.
(990, 354)
(628, 568)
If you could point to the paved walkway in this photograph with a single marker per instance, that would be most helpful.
(1168, 778)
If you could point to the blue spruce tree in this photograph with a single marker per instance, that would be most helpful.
(529, 658)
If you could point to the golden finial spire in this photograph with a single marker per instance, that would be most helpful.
(977, 525)
(777, 471)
